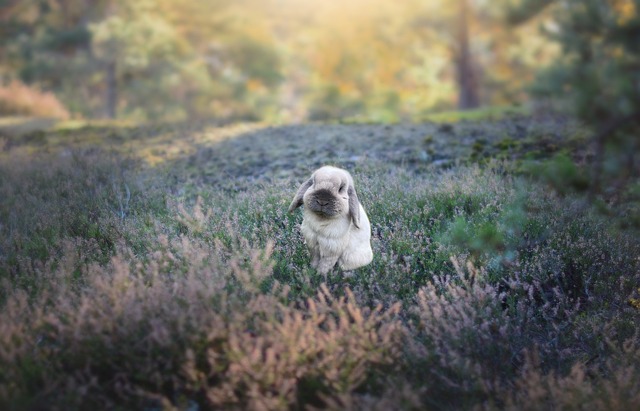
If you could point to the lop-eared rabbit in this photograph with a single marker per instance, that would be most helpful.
(335, 226)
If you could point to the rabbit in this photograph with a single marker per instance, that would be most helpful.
(335, 225)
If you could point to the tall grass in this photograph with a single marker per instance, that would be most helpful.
(126, 288)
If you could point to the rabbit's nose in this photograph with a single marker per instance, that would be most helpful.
(323, 202)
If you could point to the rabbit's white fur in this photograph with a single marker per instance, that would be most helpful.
(335, 225)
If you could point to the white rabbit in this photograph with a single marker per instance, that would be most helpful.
(335, 226)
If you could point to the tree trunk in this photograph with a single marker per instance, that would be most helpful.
(112, 90)
(468, 96)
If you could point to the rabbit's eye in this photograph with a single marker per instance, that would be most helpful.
(342, 188)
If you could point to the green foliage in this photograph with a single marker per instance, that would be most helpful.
(561, 173)
(480, 114)
(256, 60)
(331, 104)
(596, 77)
(600, 49)
(483, 237)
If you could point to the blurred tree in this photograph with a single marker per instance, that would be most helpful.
(597, 76)
(235, 43)
(451, 23)
(47, 42)
(134, 44)
(468, 90)
(491, 61)
(355, 55)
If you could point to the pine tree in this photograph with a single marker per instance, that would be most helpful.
(597, 76)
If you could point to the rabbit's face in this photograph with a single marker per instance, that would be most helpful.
(329, 193)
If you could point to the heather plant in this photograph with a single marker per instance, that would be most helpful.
(129, 285)
(140, 333)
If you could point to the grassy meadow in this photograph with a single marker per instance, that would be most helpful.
(155, 267)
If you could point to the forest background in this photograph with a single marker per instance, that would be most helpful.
(274, 60)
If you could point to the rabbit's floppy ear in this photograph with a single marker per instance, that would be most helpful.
(354, 206)
(297, 200)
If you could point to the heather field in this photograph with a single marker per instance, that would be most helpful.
(155, 267)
